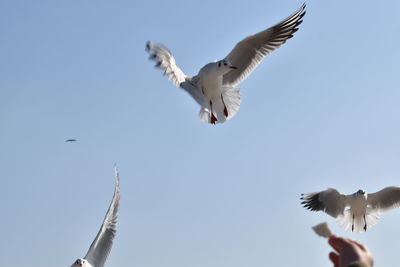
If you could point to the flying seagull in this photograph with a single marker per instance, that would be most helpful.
(214, 87)
(101, 246)
(71, 140)
(357, 211)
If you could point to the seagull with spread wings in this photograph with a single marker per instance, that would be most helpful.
(357, 211)
(101, 246)
(214, 87)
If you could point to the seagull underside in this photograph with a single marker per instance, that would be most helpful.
(214, 119)
(357, 223)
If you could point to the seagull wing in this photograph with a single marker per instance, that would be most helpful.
(166, 61)
(385, 199)
(329, 201)
(190, 86)
(101, 246)
(249, 52)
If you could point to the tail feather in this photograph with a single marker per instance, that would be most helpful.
(223, 108)
(218, 108)
(346, 221)
(232, 99)
(205, 115)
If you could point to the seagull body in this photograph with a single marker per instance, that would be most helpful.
(357, 211)
(214, 87)
(101, 246)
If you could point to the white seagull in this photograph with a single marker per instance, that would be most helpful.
(214, 87)
(101, 246)
(357, 211)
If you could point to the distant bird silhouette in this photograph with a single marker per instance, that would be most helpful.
(357, 211)
(71, 140)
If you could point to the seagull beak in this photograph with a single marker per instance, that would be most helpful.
(233, 67)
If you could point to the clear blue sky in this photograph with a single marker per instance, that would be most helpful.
(321, 111)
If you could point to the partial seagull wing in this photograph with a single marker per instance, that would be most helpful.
(249, 52)
(190, 86)
(385, 199)
(329, 201)
(166, 61)
(101, 246)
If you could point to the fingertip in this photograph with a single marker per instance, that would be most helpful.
(337, 242)
(332, 239)
(334, 258)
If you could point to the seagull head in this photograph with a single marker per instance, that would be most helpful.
(79, 263)
(225, 65)
(360, 192)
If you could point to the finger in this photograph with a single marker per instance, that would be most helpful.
(362, 246)
(337, 242)
(334, 258)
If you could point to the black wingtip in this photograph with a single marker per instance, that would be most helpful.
(302, 12)
(312, 202)
(148, 45)
(302, 15)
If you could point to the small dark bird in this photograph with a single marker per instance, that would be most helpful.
(71, 140)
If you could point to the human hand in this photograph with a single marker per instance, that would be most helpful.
(348, 251)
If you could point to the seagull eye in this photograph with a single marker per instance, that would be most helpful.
(225, 64)
(219, 64)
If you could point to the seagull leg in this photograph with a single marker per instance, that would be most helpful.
(213, 118)
(365, 225)
(225, 109)
(352, 226)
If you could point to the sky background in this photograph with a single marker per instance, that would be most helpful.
(321, 111)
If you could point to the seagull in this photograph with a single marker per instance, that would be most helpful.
(214, 87)
(101, 246)
(357, 211)
(71, 140)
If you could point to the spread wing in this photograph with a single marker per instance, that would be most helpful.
(329, 201)
(166, 61)
(101, 246)
(249, 52)
(385, 199)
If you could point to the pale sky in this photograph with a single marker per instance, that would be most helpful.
(321, 111)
